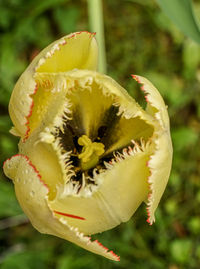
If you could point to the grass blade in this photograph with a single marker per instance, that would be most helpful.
(181, 13)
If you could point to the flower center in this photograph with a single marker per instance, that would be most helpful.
(90, 153)
(95, 125)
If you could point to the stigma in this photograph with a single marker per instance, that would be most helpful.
(91, 151)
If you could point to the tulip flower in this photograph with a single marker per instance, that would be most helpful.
(89, 154)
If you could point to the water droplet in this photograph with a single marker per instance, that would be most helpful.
(26, 171)
(8, 165)
(18, 179)
(32, 193)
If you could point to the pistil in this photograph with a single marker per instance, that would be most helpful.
(91, 151)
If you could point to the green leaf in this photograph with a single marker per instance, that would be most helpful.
(8, 202)
(181, 250)
(181, 13)
(191, 59)
(27, 259)
(183, 138)
(71, 15)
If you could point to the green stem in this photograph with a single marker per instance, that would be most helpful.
(13, 221)
(95, 13)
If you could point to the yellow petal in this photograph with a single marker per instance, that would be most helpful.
(161, 160)
(122, 188)
(47, 103)
(44, 156)
(77, 50)
(32, 193)
(30, 190)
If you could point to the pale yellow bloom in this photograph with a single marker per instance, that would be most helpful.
(89, 155)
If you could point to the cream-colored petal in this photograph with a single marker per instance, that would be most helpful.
(29, 188)
(50, 105)
(161, 160)
(160, 166)
(155, 103)
(21, 104)
(43, 155)
(122, 188)
(77, 50)
(32, 193)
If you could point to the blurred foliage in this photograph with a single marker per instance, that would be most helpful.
(140, 39)
(181, 13)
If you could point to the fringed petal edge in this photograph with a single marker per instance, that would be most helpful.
(160, 161)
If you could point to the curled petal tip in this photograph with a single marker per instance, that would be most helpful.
(136, 78)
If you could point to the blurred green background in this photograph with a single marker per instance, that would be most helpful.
(140, 39)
